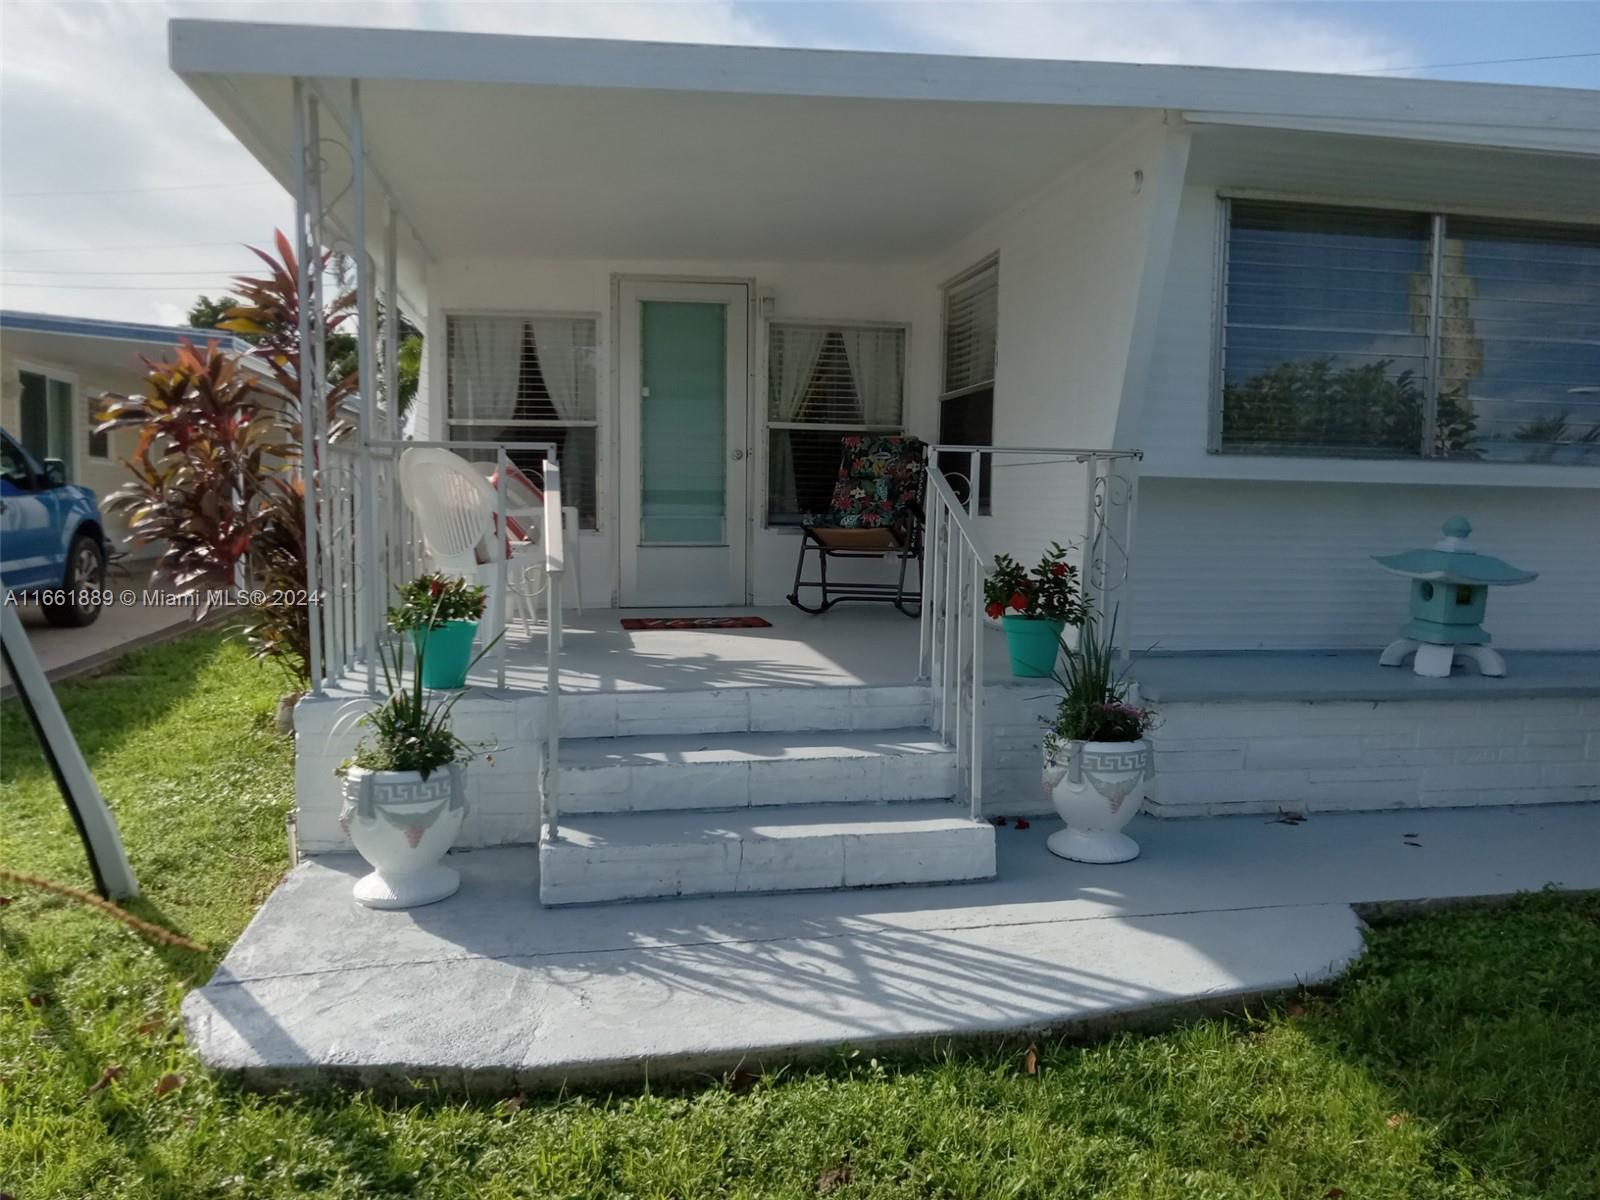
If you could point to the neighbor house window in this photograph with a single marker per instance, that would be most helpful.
(966, 391)
(47, 423)
(1392, 334)
(99, 443)
(515, 380)
(824, 383)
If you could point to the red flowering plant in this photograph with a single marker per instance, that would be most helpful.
(1048, 593)
(433, 601)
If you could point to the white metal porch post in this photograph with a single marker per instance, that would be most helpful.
(306, 253)
(366, 526)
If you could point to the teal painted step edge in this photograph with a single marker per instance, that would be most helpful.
(1032, 643)
(446, 653)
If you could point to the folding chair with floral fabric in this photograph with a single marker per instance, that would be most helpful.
(876, 512)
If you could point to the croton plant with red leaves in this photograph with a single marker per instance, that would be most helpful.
(1049, 592)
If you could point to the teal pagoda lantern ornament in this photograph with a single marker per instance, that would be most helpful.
(1449, 591)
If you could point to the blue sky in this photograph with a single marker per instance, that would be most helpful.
(110, 171)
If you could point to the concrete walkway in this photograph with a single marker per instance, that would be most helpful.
(487, 990)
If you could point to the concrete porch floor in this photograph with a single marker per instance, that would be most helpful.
(854, 645)
(487, 990)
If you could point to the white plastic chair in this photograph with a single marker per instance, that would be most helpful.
(454, 507)
(525, 519)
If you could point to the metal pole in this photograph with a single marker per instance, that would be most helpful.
(555, 567)
(975, 476)
(1091, 593)
(391, 324)
(370, 614)
(930, 548)
(307, 253)
(97, 827)
(316, 353)
(977, 695)
(501, 556)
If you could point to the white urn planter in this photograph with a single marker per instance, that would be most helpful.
(1097, 790)
(402, 824)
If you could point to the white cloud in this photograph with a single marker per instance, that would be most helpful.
(87, 103)
(1231, 35)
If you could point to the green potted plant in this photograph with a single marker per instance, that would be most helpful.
(1097, 759)
(441, 612)
(1034, 608)
(405, 788)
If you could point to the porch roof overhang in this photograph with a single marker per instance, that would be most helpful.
(496, 145)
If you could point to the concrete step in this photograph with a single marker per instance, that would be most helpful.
(753, 770)
(636, 856)
(742, 709)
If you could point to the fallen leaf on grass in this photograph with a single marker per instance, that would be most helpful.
(512, 1104)
(1395, 1120)
(1333, 1193)
(106, 1077)
(170, 1082)
(1021, 822)
(37, 999)
(834, 1177)
(1294, 1009)
(154, 1023)
(5, 900)
(740, 1081)
(1030, 1060)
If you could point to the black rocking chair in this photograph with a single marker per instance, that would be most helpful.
(876, 512)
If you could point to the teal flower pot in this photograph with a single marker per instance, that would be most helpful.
(446, 653)
(1033, 643)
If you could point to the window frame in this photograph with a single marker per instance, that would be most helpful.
(1438, 218)
(768, 425)
(93, 401)
(446, 419)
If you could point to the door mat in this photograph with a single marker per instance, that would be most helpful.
(642, 623)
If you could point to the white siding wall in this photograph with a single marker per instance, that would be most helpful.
(1243, 552)
(1070, 262)
(862, 292)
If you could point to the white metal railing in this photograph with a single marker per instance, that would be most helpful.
(952, 630)
(956, 561)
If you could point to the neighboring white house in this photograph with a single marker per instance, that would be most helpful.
(54, 370)
(1331, 312)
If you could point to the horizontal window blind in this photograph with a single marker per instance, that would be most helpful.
(1519, 340)
(1325, 336)
(1365, 332)
(825, 383)
(971, 325)
(521, 379)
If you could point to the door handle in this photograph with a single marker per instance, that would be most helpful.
(736, 455)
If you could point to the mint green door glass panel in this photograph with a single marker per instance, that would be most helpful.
(683, 424)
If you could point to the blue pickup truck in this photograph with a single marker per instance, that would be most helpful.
(52, 544)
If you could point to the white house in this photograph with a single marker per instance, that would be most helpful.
(1330, 313)
(54, 369)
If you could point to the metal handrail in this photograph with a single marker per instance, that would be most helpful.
(956, 560)
(555, 564)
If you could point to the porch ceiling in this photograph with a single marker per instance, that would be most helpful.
(489, 170)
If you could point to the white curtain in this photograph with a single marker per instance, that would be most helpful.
(877, 369)
(566, 362)
(792, 353)
(485, 363)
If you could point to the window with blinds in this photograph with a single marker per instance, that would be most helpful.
(825, 382)
(966, 399)
(1397, 334)
(528, 379)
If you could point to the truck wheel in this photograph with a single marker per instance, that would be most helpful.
(82, 581)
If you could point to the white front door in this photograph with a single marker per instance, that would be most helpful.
(685, 456)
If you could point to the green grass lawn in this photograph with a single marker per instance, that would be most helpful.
(1460, 1059)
